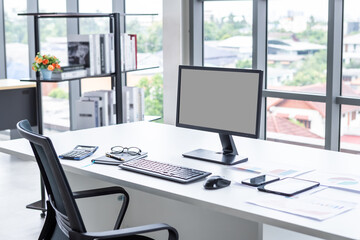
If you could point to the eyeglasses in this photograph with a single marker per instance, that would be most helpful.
(129, 150)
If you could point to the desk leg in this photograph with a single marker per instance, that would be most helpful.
(39, 205)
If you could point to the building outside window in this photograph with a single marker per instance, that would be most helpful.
(296, 67)
(296, 62)
(228, 34)
(350, 122)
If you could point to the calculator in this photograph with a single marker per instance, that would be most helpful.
(79, 152)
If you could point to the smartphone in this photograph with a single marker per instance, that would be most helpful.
(260, 180)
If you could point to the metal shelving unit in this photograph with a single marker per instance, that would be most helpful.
(117, 81)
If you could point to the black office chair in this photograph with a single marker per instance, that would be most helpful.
(63, 220)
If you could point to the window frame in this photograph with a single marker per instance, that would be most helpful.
(332, 98)
(2, 42)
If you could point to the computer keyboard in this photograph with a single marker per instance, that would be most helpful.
(164, 170)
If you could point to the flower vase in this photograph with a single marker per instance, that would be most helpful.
(46, 74)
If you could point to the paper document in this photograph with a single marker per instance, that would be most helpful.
(310, 206)
(340, 181)
(273, 168)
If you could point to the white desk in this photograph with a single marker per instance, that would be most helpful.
(222, 214)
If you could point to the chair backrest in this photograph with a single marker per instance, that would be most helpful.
(60, 195)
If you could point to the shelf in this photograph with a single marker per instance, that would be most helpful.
(140, 69)
(72, 79)
(64, 80)
(80, 15)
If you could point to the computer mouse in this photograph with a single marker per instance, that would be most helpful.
(216, 182)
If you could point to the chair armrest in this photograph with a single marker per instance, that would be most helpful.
(117, 234)
(107, 191)
(99, 192)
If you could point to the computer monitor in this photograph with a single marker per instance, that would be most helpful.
(222, 100)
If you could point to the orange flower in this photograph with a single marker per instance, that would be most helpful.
(39, 60)
(33, 68)
(45, 61)
(50, 67)
(57, 66)
(36, 58)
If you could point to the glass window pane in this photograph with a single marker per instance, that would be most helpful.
(297, 43)
(294, 121)
(95, 26)
(16, 38)
(55, 105)
(148, 30)
(228, 33)
(52, 5)
(351, 49)
(350, 129)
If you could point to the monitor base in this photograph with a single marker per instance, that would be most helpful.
(217, 157)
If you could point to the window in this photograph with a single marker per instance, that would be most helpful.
(228, 34)
(302, 122)
(351, 49)
(148, 30)
(350, 128)
(55, 96)
(95, 26)
(295, 62)
(16, 38)
(297, 43)
(350, 121)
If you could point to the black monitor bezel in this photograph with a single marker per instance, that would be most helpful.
(221, 131)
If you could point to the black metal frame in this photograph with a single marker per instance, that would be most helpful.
(66, 216)
(116, 76)
(114, 19)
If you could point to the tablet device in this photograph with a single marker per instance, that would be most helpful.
(289, 186)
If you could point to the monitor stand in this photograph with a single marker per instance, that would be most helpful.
(228, 156)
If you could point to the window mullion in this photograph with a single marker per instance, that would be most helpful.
(32, 6)
(74, 86)
(2, 42)
(334, 65)
(348, 101)
(260, 51)
(196, 9)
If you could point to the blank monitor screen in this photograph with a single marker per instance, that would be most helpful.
(220, 99)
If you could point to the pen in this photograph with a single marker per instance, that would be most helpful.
(115, 157)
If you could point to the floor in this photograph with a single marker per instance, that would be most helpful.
(19, 186)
